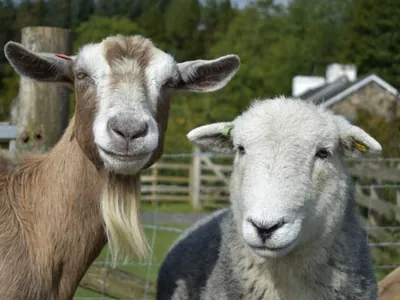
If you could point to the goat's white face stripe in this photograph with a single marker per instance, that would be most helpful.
(125, 89)
(161, 67)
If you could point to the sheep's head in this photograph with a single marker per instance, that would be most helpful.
(289, 186)
(122, 87)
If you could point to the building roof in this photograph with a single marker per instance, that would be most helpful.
(337, 90)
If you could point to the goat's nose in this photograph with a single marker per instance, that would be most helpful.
(265, 231)
(126, 128)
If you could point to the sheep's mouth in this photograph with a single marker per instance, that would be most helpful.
(268, 248)
(266, 251)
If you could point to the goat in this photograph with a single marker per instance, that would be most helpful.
(389, 287)
(59, 209)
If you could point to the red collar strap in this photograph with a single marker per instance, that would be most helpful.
(63, 56)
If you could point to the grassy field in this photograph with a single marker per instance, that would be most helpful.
(146, 269)
(163, 239)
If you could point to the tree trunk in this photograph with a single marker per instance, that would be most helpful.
(41, 109)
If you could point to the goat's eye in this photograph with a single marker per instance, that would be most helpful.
(322, 153)
(241, 150)
(169, 82)
(81, 75)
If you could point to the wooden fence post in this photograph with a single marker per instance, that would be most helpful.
(41, 110)
(154, 175)
(195, 180)
(397, 216)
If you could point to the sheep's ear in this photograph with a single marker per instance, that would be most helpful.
(207, 75)
(45, 67)
(354, 141)
(214, 137)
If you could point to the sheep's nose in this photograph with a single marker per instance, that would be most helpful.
(126, 128)
(265, 231)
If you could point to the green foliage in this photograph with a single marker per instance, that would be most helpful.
(9, 83)
(124, 8)
(97, 28)
(182, 19)
(151, 22)
(274, 42)
(386, 132)
(81, 11)
(372, 38)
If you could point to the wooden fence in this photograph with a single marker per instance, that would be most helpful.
(200, 180)
(203, 180)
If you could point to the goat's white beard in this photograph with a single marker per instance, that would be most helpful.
(120, 210)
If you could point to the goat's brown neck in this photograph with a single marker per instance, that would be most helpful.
(54, 206)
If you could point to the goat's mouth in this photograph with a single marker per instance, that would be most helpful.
(124, 157)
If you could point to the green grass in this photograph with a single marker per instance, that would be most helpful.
(178, 207)
(169, 207)
(163, 240)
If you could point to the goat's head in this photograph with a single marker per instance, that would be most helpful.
(289, 187)
(122, 87)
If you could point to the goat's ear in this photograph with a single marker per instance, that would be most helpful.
(213, 137)
(354, 141)
(45, 67)
(207, 75)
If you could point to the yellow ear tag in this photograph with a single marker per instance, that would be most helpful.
(359, 146)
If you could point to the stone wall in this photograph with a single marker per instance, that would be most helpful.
(372, 97)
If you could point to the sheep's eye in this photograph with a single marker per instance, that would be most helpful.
(241, 150)
(322, 153)
(81, 75)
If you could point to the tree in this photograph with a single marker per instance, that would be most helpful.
(151, 22)
(125, 8)
(9, 83)
(315, 27)
(98, 28)
(58, 14)
(28, 13)
(253, 36)
(182, 19)
(216, 17)
(372, 40)
(81, 11)
(7, 16)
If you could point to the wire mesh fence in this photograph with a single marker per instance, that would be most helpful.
(164, 220)
(272, 49)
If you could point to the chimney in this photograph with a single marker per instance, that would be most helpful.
(301, 83)
(335, 71)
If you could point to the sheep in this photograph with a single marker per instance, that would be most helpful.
(59, 209)
(291, 231)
